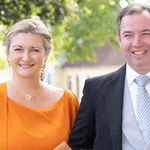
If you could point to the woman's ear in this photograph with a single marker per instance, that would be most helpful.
(46, 57)
(8, 61)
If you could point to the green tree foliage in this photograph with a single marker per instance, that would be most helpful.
(77, 26)
(51, 11)
(2, 63)
(93, 24)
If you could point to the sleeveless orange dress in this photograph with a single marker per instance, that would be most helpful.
(38, 129)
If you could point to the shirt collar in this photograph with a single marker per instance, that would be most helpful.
(131, 74)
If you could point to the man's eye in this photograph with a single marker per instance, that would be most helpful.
(146, 33)
(127, 35)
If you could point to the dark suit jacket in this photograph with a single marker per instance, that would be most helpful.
(98, 124)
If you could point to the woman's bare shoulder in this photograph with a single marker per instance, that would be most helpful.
(53, 90)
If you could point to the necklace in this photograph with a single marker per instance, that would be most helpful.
(28, 96)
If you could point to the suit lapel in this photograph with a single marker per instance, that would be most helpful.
(114, 105)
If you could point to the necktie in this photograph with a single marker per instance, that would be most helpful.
(143, 107)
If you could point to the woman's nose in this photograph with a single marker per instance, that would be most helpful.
(26, 56)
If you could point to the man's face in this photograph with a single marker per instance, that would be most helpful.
(134, 39)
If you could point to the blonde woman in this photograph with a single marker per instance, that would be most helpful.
(34, 115)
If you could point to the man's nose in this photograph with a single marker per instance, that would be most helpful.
(137, 42)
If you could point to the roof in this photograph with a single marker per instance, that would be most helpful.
(107, 55)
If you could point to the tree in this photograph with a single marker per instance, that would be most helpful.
(52, 12)
(77, 26)
(93, 24)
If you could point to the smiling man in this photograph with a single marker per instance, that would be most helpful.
(114, 112)
(134, 39)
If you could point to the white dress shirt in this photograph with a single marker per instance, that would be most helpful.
(130, 76)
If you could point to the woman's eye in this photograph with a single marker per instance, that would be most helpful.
(35, 50)
(17, 49)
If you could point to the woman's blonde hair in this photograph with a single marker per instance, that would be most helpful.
(31, 25)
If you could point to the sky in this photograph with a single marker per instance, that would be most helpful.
(123, 3)
(142, 1)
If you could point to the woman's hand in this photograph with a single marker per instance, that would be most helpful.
(63, 146)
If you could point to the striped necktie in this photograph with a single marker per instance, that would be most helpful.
(143, 107)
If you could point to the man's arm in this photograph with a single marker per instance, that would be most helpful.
(83, 133)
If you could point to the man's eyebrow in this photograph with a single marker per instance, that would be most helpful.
(146, 30)
(124, 32)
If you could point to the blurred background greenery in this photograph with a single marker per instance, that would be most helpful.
(76, 26)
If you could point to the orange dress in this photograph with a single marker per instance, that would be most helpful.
(39, 129)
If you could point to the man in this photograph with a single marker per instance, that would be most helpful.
(109, 118)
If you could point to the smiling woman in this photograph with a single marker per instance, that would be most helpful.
(27, 54)
(30, 109)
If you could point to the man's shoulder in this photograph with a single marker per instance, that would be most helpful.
(109, 76)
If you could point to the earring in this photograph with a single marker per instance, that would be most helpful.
(42, 72)
(10, 72)
(8, 62)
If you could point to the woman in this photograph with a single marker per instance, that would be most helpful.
(34, 115)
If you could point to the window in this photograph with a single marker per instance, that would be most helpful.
(69, 83)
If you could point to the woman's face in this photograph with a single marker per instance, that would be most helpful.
(26, 54)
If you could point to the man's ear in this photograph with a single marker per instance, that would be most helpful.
(119, 39)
